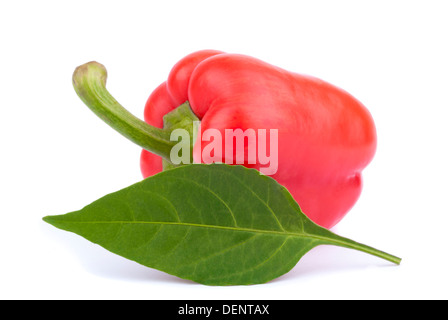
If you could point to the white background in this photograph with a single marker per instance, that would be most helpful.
(57, 156)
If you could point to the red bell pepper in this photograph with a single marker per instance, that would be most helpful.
(326, 137)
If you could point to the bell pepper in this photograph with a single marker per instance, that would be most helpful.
(326, 137)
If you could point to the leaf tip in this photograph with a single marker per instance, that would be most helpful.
(50, 220)
(47, 219)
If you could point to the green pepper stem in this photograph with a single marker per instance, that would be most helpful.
(89, 81)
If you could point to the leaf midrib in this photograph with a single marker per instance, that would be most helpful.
(239, 229)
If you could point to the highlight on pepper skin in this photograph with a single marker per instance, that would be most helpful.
(249, 147)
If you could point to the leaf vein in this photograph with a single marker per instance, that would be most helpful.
(214, 194)
(256, 195)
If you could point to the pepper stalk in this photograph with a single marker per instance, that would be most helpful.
(89, 82)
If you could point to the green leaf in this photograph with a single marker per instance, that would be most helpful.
(213, 224)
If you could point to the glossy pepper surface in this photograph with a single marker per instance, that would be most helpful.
(326, 137)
